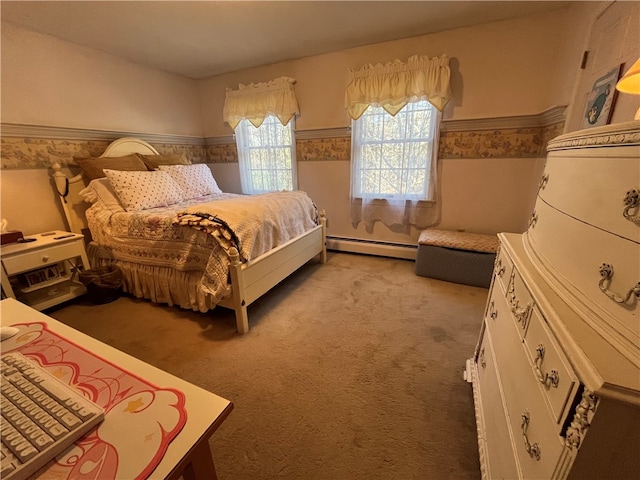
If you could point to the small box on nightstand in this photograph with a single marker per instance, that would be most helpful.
(10, 237)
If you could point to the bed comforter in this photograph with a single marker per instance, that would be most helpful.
(195, 238)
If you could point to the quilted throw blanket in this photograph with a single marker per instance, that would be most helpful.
(253, 224)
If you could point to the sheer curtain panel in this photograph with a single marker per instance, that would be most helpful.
(255, 101)
(395, 111)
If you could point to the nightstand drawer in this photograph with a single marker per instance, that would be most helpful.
(23, 262)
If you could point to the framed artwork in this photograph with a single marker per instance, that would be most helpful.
(35, 277)
(601, 100)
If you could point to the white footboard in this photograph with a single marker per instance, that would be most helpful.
(249, 281)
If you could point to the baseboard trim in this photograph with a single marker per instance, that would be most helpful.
(372, 247)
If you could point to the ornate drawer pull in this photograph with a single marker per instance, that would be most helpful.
(499, 268)
(532, 450)
(493, 312)
(606, 272)
(631, 200)
(521, 314)
(543, 182)
(481, 360)
(547, 379)
(533, 220)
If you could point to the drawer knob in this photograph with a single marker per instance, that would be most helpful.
(606, 273)
(532, 450)
(631, 201)
(547, 379)
(45, 258)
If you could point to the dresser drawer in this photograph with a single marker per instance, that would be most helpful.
(566, 248)
(549, 364)
(39, 258)
(520, 302)
(498, 315)
(524, 398)
(495, 435)
(592, 188)
(538, 444)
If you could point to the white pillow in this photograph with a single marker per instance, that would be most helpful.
(195, 180)
(142, 190)
(100, 190)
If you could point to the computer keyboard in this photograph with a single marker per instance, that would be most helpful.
(41, 416)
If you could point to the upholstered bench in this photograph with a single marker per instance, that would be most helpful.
(460, 257)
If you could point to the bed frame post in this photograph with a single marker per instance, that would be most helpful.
(237, 290)
(323, 222)
(62, 187)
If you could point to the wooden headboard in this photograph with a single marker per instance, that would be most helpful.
(68, 188)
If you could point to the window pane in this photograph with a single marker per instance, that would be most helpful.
(266, 155)
(392, 155)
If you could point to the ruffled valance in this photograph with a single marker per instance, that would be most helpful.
(396, 83)
(257, 100)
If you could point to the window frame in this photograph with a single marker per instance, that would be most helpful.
(245, 148)
(359, 146)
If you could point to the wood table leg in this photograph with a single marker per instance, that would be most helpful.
(200, 466)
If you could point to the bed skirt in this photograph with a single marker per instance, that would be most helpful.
(158, 284)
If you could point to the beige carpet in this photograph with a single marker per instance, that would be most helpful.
(351, 370)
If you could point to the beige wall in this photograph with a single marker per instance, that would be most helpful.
(46, 81)
(613, 38)
(499, 69)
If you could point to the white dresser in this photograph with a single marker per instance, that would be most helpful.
(556, 372)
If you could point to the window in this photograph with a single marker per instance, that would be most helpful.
(267, 156)
(392, 155)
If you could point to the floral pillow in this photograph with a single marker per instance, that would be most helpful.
(143, 190)
(195, 180)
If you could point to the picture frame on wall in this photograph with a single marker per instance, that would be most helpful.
(601, 99)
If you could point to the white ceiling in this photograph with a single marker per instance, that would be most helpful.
(199, 39)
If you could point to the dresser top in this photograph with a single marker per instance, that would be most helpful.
(627, 133)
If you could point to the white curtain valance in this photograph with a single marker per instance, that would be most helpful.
(396, 83)
(257, 100)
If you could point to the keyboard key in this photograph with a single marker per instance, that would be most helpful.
(41, 416)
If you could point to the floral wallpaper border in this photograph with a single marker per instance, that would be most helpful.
(31, 152)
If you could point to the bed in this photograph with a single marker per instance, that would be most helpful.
(188, 253)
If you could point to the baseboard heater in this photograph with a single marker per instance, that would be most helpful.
(372, 247)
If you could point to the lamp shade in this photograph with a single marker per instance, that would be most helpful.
(630, 81)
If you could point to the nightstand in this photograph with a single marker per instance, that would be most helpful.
(44, 272)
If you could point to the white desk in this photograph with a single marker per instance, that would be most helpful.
(188, 453)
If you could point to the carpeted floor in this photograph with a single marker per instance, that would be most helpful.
(351, 370)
